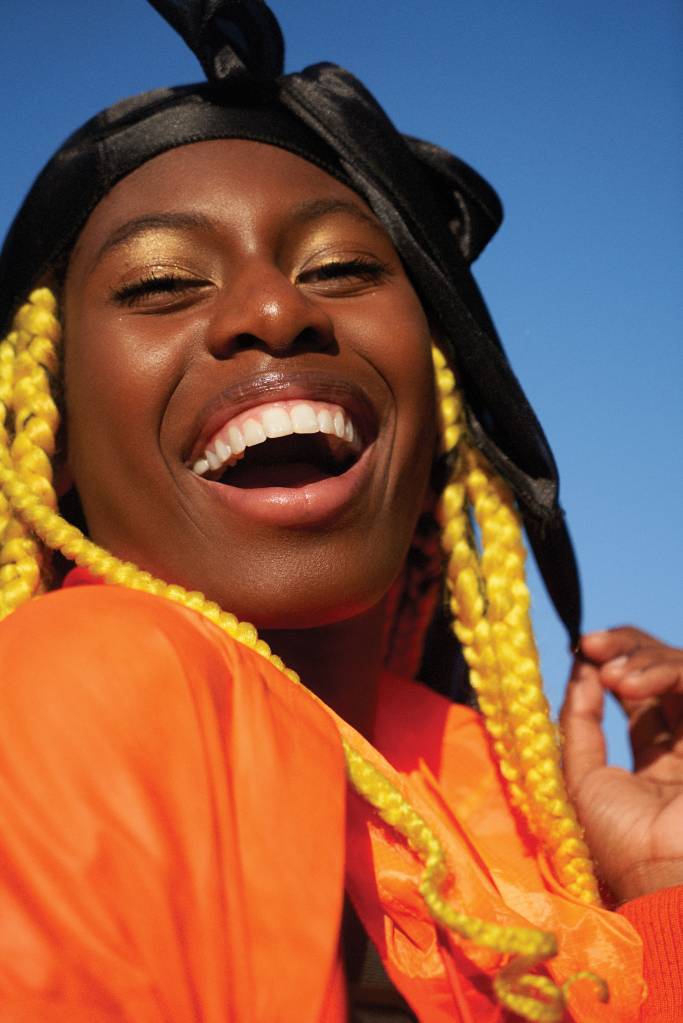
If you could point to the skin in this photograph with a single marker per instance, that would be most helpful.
(632, 820)
(141, 363)
(246, 297)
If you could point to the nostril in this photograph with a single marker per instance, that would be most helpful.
(243, 341)
(310, 339)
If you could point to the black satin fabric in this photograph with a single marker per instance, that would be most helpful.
(438, 211)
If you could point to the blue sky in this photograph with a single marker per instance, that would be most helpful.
(573, 112)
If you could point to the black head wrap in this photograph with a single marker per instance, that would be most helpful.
(438, 211)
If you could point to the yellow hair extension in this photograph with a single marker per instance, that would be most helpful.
(490, 601)
(25, 487)
(468, 597)
(6, 389)
(28, 356)
(8, 523)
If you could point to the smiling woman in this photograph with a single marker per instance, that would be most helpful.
(277, 376)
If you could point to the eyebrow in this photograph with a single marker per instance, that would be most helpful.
(303, 213)
(151, 222)
(313, 209)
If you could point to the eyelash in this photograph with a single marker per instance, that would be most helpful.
(363, 269)
(153, 284)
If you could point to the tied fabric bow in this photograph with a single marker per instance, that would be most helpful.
(236, 41)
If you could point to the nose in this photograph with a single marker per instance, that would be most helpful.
(263, 308)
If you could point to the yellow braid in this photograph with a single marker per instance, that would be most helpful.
(468, 596)
(28, 357)
(8, 521)
(25, 489)
(6, 390)
(491, 620)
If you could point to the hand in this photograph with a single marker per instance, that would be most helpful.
(633, 820)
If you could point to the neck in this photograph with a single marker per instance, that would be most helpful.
(341, 663)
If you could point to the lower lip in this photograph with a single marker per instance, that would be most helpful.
(312, 504)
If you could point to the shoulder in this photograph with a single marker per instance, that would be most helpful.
(94, 620)
(82, 646)
(76, 643)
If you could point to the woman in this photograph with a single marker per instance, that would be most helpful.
(250, 412)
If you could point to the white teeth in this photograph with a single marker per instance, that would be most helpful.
(236, 439)
(253, 433)
(339, 424)
(304, 419)
(325, 421)
(213, 460)
(276, 422)
(271, 421)
(222, 450)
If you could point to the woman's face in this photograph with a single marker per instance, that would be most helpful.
(223, 293)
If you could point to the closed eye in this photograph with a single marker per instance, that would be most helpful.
(360, 269)
(156, 289)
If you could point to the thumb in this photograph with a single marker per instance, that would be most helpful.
(583, 749)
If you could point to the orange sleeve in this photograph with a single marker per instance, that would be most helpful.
(659, 920)
(167, 851)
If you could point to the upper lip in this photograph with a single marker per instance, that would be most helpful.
(282, 385)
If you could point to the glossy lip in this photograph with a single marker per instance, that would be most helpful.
(313, 504)
(280, 385)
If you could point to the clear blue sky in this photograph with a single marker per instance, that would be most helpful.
(573, 112)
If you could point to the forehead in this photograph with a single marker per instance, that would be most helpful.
(228, 175)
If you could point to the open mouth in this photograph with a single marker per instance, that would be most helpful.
(282, 444)
(293, 461)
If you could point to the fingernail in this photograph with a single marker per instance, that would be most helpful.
(617, 663)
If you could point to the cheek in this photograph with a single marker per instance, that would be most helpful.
(409, 373)
(115, 392)
(398, 342)
(115, 375)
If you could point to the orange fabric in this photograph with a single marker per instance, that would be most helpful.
(448, 775)
(173, 835)
(156, 799)
(660, 917)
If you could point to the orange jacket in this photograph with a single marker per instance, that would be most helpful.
(176, 838)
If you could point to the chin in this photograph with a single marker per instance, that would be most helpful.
(303, 602)
(298, 585)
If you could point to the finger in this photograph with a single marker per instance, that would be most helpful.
(639, 658)
(583, 749)
(612, 643)
(649, 731)
(656, 679)
(643, 657)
